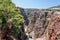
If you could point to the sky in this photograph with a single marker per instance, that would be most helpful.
(36, 3)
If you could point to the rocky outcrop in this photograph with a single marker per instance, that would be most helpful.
(38, 24)
(54, 27)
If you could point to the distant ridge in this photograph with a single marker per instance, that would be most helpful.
(58, 6)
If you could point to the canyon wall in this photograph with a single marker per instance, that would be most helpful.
(40, 25)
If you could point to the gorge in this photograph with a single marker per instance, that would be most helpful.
(18, 23)
(36, 24)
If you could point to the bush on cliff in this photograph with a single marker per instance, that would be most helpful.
(9, 14)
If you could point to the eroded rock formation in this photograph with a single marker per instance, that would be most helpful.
(54, 27)
(40, 23)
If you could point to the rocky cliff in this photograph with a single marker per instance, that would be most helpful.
(54, 27)
(37, 24)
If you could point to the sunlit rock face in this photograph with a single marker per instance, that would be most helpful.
(42, 25)
(54, 27)
(38, 22)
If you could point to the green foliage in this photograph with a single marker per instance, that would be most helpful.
(10, 13)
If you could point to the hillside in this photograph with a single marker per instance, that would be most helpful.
(58, 6)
